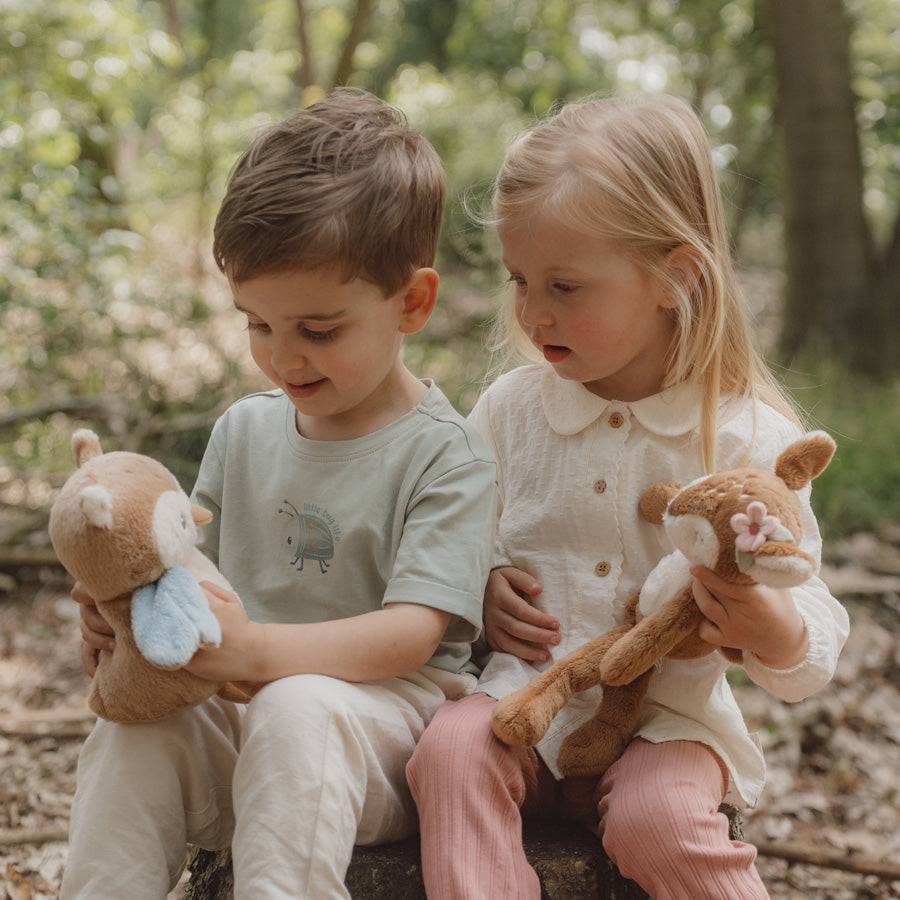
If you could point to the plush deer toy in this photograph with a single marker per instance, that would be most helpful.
(745, 525)
(123, 527)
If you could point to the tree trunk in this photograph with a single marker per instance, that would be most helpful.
(359, 27)
(833, 303)
(306, 75)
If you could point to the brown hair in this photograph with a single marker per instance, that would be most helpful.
(638, 171)
(345, 183)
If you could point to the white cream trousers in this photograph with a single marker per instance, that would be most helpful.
(312, 766)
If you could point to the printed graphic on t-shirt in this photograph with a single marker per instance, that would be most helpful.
(310, 534)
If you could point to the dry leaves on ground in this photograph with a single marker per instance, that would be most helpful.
(833, 759)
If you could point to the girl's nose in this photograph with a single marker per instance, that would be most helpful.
(533, 312)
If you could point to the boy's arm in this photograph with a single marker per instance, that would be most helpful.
(388, 642)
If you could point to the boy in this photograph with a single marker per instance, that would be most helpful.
(353, 513)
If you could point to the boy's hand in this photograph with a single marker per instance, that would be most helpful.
(752, 617)
(511, 623)
(96, 632)
(235, 658)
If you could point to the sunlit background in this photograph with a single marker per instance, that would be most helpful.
(120, 120)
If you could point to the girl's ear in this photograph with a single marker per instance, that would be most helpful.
(684, 267)
(419, 297)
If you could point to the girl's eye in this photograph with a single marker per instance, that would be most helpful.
(259, 327)
(517, 280)
(564, 287)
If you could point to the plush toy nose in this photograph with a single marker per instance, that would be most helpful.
(200, 515)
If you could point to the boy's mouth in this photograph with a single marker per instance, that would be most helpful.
(303, 391)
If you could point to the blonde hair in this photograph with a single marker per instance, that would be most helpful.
(345, 183)
(638, 171)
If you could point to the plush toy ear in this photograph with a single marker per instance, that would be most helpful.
(85, 446)
(96, 503)
(805, 459)
(655, 500)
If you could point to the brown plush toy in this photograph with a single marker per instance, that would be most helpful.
(123, 527)
(745, 525)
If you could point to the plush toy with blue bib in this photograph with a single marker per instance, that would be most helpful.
(123, 527)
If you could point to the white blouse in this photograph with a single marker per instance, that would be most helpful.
(571, 469)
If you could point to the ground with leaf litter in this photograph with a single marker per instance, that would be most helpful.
(828, 826)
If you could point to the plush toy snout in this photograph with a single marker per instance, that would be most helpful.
(781, 564)
(695, 537)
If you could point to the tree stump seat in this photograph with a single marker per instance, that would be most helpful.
(569, 860)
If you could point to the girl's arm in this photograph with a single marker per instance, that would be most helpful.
(792, 638)
(389, 642)
(762, 620)
(511, 623)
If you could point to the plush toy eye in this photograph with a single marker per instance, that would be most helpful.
(173, 528)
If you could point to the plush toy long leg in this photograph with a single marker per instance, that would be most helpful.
(653, 638)
(596, 745)
(523, 717)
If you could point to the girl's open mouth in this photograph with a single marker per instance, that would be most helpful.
(555, 354)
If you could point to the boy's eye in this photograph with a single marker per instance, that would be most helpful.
(328, 335)
(564, 287)
(257, 326)
(517, 280)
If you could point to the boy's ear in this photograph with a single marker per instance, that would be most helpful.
(419, 297)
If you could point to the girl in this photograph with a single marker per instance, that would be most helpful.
(613, 233)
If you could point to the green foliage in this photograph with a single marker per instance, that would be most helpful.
(122, 118)
(876, 46)
(860, 489)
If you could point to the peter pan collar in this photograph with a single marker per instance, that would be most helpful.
(570, 407)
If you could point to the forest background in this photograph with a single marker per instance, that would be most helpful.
(122, 118)
(119, 123)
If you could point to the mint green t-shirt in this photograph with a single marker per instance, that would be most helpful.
(309, 531)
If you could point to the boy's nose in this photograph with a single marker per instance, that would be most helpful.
(287, 354)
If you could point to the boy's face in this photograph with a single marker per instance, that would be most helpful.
(332, 346)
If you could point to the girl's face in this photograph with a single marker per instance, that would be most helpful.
(593, 313)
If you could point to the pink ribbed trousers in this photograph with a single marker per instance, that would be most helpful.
(656, 810)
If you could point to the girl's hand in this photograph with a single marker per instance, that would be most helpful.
(235, 659)
(753, 617)
(96, 632)
(511, 623)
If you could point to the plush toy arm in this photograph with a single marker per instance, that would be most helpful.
(651, 639)
(171, 618)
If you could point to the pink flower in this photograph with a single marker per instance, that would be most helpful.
(753, 528)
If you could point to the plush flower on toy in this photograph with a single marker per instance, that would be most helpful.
(124, 528)
(743, 524)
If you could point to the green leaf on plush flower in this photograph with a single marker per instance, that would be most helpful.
(781, 534)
